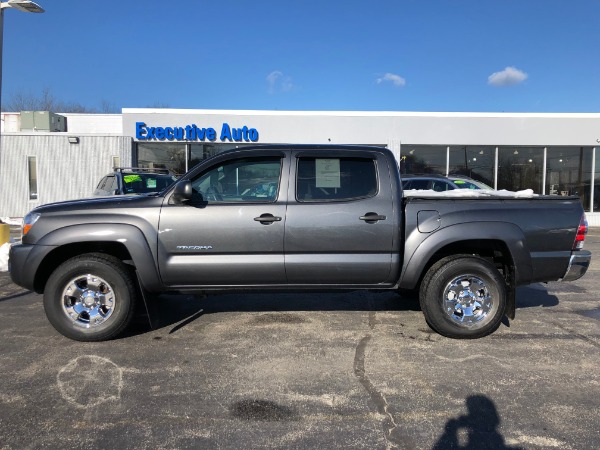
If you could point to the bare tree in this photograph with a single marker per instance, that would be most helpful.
(46, 101)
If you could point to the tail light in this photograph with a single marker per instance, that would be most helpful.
(581, 232)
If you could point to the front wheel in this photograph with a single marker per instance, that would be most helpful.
(463, 297)
(90, 297)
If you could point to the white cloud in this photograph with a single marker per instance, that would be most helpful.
(508, 77)
(396, 80)
(278, 82)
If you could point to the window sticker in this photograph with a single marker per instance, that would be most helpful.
(151, 183)
(327, 173)
(131, 178)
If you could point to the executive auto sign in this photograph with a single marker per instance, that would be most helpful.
(192, 132)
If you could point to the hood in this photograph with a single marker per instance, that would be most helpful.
(117, 201)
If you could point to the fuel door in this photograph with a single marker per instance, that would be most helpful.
(428, 221)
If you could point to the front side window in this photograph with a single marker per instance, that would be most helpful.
(335, 179)
(240, 180)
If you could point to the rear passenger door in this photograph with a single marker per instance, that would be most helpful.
(341, 226)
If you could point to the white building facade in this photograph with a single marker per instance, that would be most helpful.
(552, 154)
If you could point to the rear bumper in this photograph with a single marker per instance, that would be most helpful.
(578, 265)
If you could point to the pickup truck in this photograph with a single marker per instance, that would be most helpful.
(296, 218)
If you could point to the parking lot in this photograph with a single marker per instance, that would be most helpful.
(338, 370)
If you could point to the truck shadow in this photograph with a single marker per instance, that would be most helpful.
(535, 295)
(180, 310)
(177, 311)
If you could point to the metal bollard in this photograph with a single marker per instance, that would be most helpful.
(4, 233)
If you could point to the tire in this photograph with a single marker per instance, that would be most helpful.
(463, 297)
(91, 297)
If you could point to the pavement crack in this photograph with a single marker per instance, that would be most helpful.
(576, 334)
(392, 431)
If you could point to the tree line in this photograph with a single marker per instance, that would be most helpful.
(46, 101)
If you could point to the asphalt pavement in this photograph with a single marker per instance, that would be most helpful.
(354, 370)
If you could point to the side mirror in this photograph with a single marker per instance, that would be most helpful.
(182, 192)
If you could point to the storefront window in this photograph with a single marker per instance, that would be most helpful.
(162, 155)
(568, 172)
(476, 162)
(200, 152)
(423, 159)
(520, 168)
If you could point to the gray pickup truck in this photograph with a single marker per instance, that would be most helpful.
(296, 218)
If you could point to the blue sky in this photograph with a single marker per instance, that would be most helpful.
(378, 55)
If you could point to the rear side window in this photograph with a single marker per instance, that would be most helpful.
(110, 185)
(102, 183)
(335, 179)
(419, 185)
(441, 186)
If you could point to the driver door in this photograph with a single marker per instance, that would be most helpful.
(231, 232)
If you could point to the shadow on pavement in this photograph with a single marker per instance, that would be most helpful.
(180, 310)
(535, 295)
(478, 429)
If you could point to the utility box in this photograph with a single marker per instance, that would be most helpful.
(42, 121)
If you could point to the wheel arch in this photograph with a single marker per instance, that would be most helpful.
(502, 243)
(126, 243)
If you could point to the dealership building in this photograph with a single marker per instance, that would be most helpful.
(47, 157)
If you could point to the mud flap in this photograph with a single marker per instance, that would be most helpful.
(149, 305)
(511, 302)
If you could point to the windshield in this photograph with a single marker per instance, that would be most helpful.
(145, 183)
(470, 184)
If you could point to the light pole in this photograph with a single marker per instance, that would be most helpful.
(21, 5)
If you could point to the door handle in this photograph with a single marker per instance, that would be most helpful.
(267, 219)
(372, 217)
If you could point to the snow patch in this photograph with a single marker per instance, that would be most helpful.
(4, 257)
(471, 193)
(12, 220)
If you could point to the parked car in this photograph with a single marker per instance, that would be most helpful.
(134, 180)
(440, 183)
(331, 218)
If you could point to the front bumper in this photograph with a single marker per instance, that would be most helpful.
(24, 261)
(578, 265)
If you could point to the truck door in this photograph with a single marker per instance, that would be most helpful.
(231, 232)
(341, 226)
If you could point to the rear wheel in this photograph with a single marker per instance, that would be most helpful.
(90, 297)
(463, 297)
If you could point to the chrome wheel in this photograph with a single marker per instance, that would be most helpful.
(88, 301)
(468, 301)
(463, 297)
